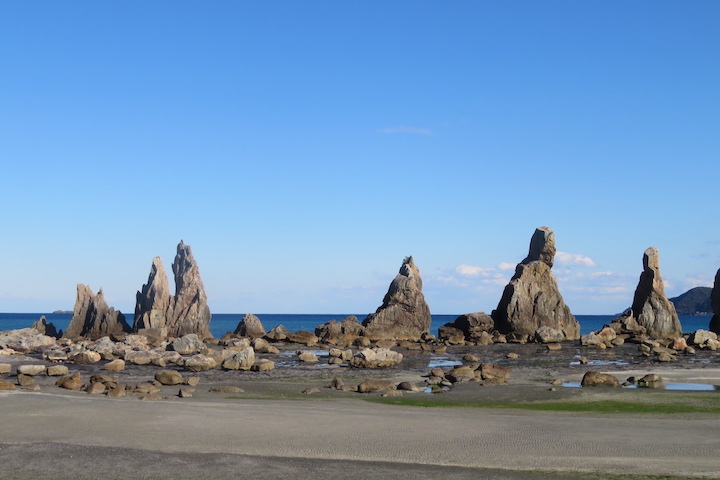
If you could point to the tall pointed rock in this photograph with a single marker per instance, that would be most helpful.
(404, 314)
(153, 302)
(715, 302)
(93, 318)
(651, 308)
(532, 299)
(185, 312)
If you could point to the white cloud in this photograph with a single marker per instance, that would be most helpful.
(412, 130)
(471, 270)
(574, 259)
(506, 266)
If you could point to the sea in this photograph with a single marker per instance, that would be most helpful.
(222, 323)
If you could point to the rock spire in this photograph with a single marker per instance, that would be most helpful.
(185, 312)
(93, 318)
(404, 314)
(651, 308)
(532, 299)
(715, 302)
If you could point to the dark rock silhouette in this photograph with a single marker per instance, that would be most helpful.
(404, 314)
(532, 299)
(651, 308)
(46, 328)
(715, 301)
(93, 318)
(185, 312)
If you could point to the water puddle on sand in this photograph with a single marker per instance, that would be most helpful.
(599, 363)
(689, 387)
(441, 362)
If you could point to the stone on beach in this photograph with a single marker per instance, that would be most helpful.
(597, 379)
(57, 370)
(250, 326)
(70, 382)
(532, 299)
(472, 327)
(344, 332)
(376, 358)
(45, 328)
(169, 377)
(189, 344)
(5, 385)
(25, 340)
(404, 314)
(242, 360)
(116, 365)
(31, 369)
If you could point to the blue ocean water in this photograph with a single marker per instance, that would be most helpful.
(226, 322)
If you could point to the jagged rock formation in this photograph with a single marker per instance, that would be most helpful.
(472, 327)
(651, 308)
(92, 318)
(532, 299)
(250, 326)
(185, 312)
(715, 301)
(46, 328)
(404, 315)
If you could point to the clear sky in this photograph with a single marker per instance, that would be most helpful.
(304, 148)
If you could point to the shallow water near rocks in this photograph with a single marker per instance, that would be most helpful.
(690, 387)
(441, 362)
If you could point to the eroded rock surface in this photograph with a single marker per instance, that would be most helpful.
(651, 308)
(404, 314)
(185, 312)
(93, 318)
(532, 299)
(250, 326)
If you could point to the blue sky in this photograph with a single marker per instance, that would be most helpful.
(304, 148)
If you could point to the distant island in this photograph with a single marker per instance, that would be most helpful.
(695, 301)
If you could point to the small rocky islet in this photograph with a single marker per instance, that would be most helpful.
(170, 344)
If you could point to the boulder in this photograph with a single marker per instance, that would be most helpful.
(25, 380)
(263, 365)
(277, 334)
(547, 334)
(86, 358)
(307, 357)
(141, 357)
(242, 360)
(451, 335)
(93, 318)
(376, 358)
(494, 374)
(304, 337)
(597, 379)
(5, 368)
(651, 308)
(31, 369)
(344, 332)
(57, 370)
(369, 386)
(700, 337)
(5, 385)
(461, 374)
(189, 344)
(116, 365)
(54, 355)
(532, 299)
(260, 345)
(25, 340)
(185, 312)
(169, 377)
(250, 326)
(199, 363)
(70, 382)
(404, 314)
(475, 327)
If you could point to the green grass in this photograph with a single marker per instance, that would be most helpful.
(601, 406)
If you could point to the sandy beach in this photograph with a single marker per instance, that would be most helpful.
(267, 432)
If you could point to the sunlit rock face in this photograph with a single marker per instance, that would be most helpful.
(651, 308)
(185, 312)
(532, 299)
(404, 314)
(93, 318)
